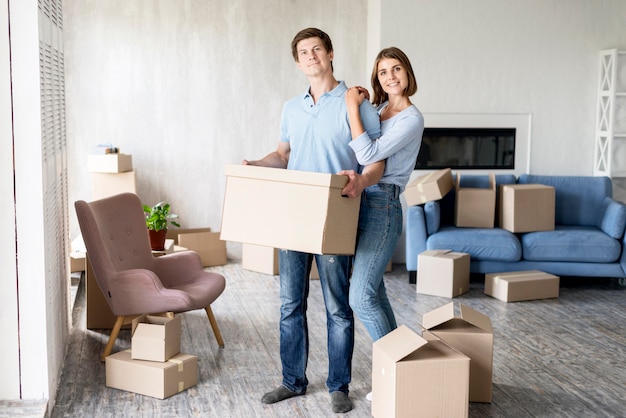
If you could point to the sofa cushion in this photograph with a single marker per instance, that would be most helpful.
(614, 219)
(491, 244)
(568, 243)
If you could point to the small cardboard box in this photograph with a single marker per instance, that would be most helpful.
(432, 186)
(289, 209)
(77, 261)
(259, 258)
(471, 334)
(522, 285)
(109, 163)
(109, 184)
(443, 273)
(475, 207)
(151, 378)
(211, 248)
(527, 207)
(155, 338)
(412, 376)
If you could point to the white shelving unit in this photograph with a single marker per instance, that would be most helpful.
(610, 141)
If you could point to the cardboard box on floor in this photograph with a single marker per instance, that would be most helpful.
(77, 261)
(109, 163)
(151, 378)
(289, 209)
(518, 286)
(413, 376)
(526, 207)
(429, 187)
(475, 207)
(155, 338)
(259, 258)
(471, 334)
(443, 273)
(211, 248)
(99, 315)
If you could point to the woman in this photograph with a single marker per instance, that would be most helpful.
(380, 219)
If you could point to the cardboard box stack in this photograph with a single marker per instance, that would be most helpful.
(475, 207)
(315, 217)
(112, 172)
(443, 273)
(518, 286)
(471, 334)
(527, 207)
(415, 376)
(429, 187)
(154, 366)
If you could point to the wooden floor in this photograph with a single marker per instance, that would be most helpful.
(562, 357)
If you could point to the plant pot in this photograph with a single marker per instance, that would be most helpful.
(157, 239)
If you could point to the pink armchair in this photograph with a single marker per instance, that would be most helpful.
(132, 280)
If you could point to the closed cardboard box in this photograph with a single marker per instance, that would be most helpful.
(415, 377)
(522, 285)
(211, 248)
(155, 338)
(289, 209)
(77, 261)
(109, 184)
(109, 163)
(527, 207)
(259, 258)
(443, 273)
(429, 187)
(471, 334)
(151, 378)
(475, 207)
(99, 315)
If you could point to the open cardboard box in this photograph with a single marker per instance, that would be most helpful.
(470, 333)
(155, 338)
(417, 377)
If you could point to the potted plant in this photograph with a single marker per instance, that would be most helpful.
(158, 217)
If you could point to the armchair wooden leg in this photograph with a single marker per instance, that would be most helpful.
(216, 329)
(116, 329)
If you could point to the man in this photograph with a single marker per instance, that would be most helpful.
(314, 136)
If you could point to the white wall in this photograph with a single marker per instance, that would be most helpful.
(186, 86)
(491, 56)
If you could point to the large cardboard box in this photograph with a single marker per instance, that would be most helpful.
(151, 378)
(259, 258)
(431, 186)
(522, 285)
(211, 248)
(471, 334)
(109, 163)
(109, 184)
(415, 377)
(289, 209)
(475, 207)
(443, 273)
(155, 338)
(527, 207)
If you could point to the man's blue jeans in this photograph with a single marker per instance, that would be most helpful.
(380, 227)
(294, 336)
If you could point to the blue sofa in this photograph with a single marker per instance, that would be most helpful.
(588, 239)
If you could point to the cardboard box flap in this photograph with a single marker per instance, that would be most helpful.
(400, 343)
(476, 318)
(285, 176)
(150, 320)
(492, 183)
(438, 316)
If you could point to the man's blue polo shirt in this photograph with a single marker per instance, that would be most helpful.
(319, 133)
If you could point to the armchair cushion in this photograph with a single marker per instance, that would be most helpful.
(614, 220)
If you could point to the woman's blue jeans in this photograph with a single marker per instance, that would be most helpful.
(334, 272)
(380, 227)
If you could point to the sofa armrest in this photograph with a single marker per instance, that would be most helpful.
(432, 214)
(416, 235)
(613, 220)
